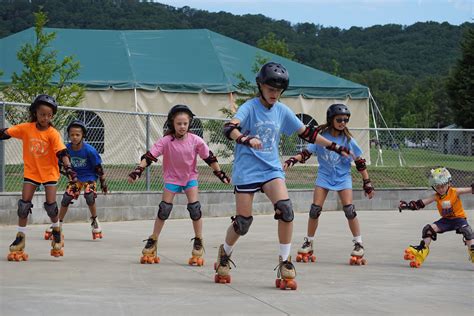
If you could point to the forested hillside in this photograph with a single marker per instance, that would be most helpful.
(405, 66)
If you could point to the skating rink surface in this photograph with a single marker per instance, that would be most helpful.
(105, 277)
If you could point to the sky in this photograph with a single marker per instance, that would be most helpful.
(343, 13)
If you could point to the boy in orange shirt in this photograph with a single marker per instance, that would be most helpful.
(452, 214)
(42, 148)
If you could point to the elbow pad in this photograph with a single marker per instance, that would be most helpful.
(310, 134)
(149, 158)
(229, 127)
(360, 164)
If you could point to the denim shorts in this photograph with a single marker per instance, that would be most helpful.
(181, 188)
(448, 224)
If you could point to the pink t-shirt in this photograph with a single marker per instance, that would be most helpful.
(180, 157)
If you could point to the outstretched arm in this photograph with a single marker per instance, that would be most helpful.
(416, 205)
(145, 161)
(4, 134)
(312, 136)
(300, 157)
(465, 190)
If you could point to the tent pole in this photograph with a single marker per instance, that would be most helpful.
(135, 99)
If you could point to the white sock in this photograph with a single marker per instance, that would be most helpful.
(357, 239)
(55, 224)
(21, 229)
(285, 251)
(228, 248)
(310, 238)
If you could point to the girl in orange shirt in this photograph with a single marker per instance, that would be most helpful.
(452, 215)
(42, 148)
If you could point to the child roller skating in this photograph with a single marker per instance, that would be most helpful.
(149, 252)
(222, 266)
(197, 252)
(452, 218)
(16, 249)
(43, 153)
(334, 174)
(180, 150)
(357, 255)
(305, 253)
(286, 274)
(88, 164)
(57, 242)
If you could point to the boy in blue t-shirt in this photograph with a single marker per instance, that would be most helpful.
(87, 163)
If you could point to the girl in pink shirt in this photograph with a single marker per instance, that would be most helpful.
(180, 150)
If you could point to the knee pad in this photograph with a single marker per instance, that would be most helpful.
(241, 224)
(24, 208)
(286, 210)
(428, 231)
(67, 199)
(349, 211)
(51, 209)
(90, 198)
(315, 211)
(466, 232)
(194, 210)
(164, 210)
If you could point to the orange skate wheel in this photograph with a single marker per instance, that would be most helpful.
(142, 260)
(11, 256)
(298, 258)
(283, 284)
(25, 257)
(157, 259)
(415, 264)
(277, 283)
(191, 261)
(313, 258)
(409, 256)
(305, 259)
(200, 262)
(93, 236)
(291, 284)
(150, 260)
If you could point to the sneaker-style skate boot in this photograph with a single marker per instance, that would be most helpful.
(17, 248)
(198, 250)
(48, 233)
(305, 253)
(286, 274)
(57, 242)
(471, 253)
(222, 266)
(357, 255)
(149, 252)
(417, 254)
(96, 229)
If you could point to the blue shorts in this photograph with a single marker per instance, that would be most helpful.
(181, 188)
(448, 224)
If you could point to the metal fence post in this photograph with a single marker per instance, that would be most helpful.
(2, 149)
(147, 142)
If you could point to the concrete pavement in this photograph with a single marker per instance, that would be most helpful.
(104, 277)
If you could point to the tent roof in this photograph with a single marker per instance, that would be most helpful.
(170, 60)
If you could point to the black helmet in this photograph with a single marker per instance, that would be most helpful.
(337, 109)
(274, 75)
(44, 99)
(176, 109)
(78, 123)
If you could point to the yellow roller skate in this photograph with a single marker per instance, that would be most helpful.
(198, 250)
(57, 242)
(149, 252)
(286, 274)
(222, 267)
(417, 254)
(17, 247)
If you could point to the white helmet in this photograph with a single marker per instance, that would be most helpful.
(439, 176)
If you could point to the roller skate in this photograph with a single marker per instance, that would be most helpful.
(48, 233)
(149, 252)
(357, 255)
(305, 253)
(198, 250)
(17, 247)
(286, 275)
(471, 253)
(416, 254)
(96, 229)
(57, 242)
(222, 267)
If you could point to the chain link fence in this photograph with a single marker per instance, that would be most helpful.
(399, 158)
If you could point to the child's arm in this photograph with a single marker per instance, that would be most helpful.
(100, 173)
(465, 190)
(300, 157)
(312, 136)
(211, 161)
(4, 134)
(367, 184)
(145, 161)
(416, 205)
(64, 158)
(232, 132)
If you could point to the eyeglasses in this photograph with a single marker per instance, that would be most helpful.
(340, 120)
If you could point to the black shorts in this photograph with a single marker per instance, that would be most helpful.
(251, 188)
(45, 184)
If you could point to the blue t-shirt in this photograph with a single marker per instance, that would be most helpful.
(252, 165)
(334, 172)
(84, 161)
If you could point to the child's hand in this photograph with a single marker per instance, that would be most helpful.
(71, 174)
(289, 163)
(222, 176)
(103, 186)
(368, 188)
(135, 174)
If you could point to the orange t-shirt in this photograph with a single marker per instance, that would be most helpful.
(450, 206)
(39, 151)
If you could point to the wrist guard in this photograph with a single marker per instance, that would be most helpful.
(136, 173)
(291, 162)
(222, 176)
(229, 127)
(246, 142)
(4, 135)
(211, 159)
(70, 173)
(338, 148)
(149, 158)
(472, 188)
(412, 205)
(367, 186)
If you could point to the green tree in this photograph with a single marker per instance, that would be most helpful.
(42, 73)
(272, 44)
(461, 83)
